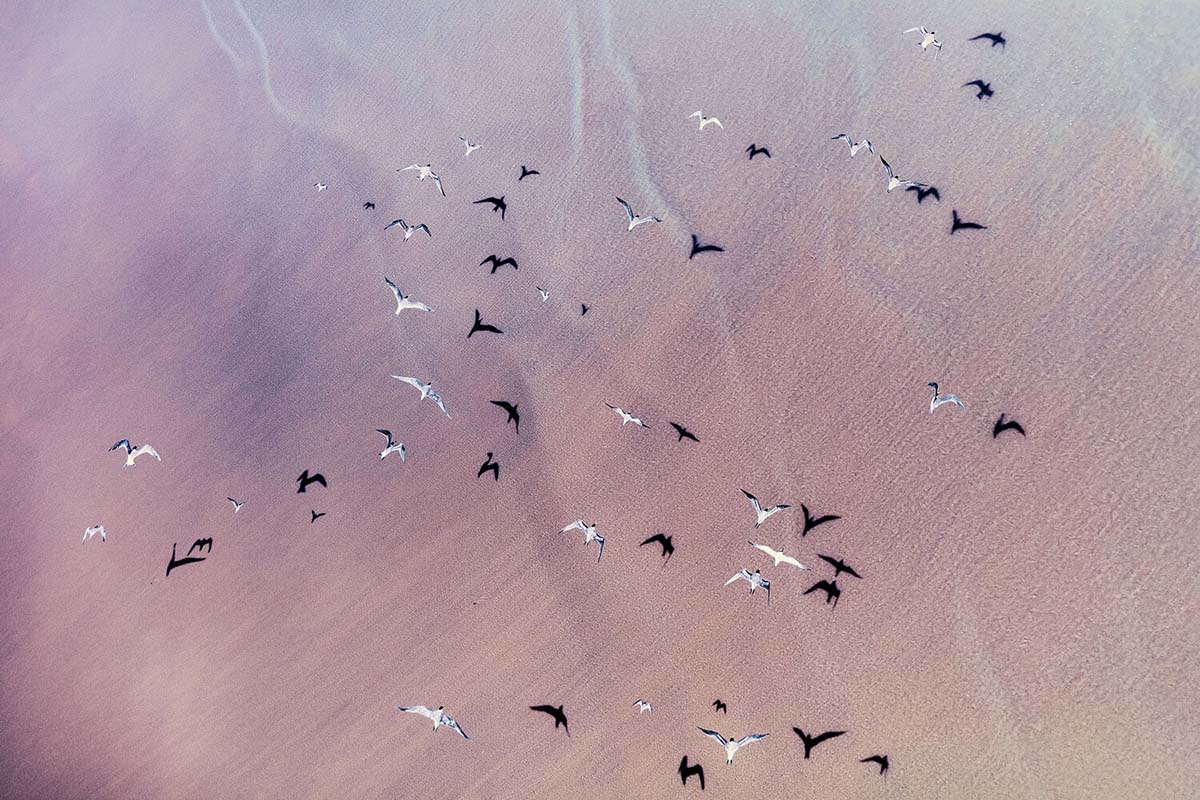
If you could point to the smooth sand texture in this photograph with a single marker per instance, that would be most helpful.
(1027, 626)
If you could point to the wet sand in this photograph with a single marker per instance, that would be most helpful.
(1026, 626)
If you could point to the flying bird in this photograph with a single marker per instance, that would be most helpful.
(392, 446)
(131, 452)
(957, 224)
(812, 741)
(754, 151)
(854, 148)
(236, 505)
(698, 248)
(368, 206)
(684, 433)
(626, 416)
(480, 327)
(439, 717)
(557, 713)
(811, 522)
(493, 466)
(668, 549)
(426, 390)
(755, 580)
(305, 479)
(320, 187)
(511, 409)
(731, 746)
(498, 204)
(1011, 425)
(927, 39)
(719, 706)
(471, 148)
(409, 230)
(761, 515)
(404, 301)
(316, 516)
(985, 89)
(686, 772)
(939, 400)
(585, 308)
(424, 172)
(644, 705)
(893, 181)
(545, 293)
(497, 263)
(925, 192)
(589, 536)
(780, 558)
(707, 120)
(525, 173)
(91, 531)
(995, 38)
(839, 566)
(830, 588)
(633, 219)
(882, 761)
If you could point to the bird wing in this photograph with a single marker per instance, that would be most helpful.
(918, 28)
(696, 114)
(754, 737)
(721, 740)
(424, 711)
(411, 166)
(128, 445)
(888, 167)
(410, 381)
(840, 136)
(148, 450)
(785, 559)
(437, 398)
(769, 551)
(753, 500)
(718, 123)
(438, 181)
(628, 209)
(740, 575)
(451, 722)
(399, 296)
(576, 525)
(386, 433)
(423, 227)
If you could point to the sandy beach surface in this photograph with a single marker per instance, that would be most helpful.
(1027, 622)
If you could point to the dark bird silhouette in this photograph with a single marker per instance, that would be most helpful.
(304, 480)
(812, 741)
(560, 718)
(368, 206)
(525, 173)
(480, 327)
(489, 465)
(839, 566)
(686, 772)
(698, 248)
(719, 706)
(995, 38)
(1001, 426)
(683, 432)
(497, 263)
(667, 547)
(585, 308)
(316, 516)
(811, 522)
(882, 761)
(958, 225)
(831, 590)
(922, 193)
(513, 416)
(753, 150)
(498, 204)
(985, 89)
(187, 559)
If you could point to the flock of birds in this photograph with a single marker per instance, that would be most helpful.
(763, 512)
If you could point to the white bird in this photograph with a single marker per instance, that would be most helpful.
(634, 219)
(780, 558)
(731, 746)
(644, 705)
(893, 181)
(939, 400)
(471, 148)
(426, 390)
(236, 505)
(392, 445)
(545, 293)
(424, 172)
(755, 580)
(404, 301)
(626, 416)
(854, 148)
(320, 187)
(409, 230)
(927, 39)
(762, 514)
(706, 120)
(132, 452)
(439, 717)
(92, 531)
(590, 534)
